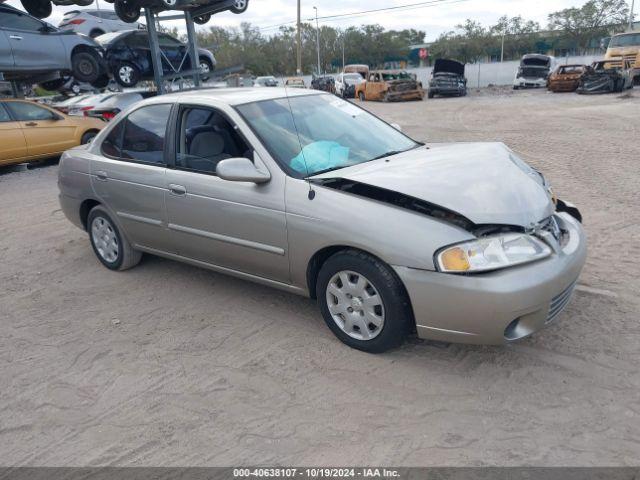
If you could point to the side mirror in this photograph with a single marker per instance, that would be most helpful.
(396, 126)
(241, 170)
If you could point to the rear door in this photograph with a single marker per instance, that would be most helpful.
(33, 49)
(13, 145)
(174, 52)
(45, 131)
(129, 176)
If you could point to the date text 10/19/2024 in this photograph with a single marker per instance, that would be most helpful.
(315, 473)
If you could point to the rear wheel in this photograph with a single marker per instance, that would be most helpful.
(85, 67)
(127, 10)
(361, 96)
(206, 67)
(112, 249)
(38, 8)
(431, 94)
(202, 19)
(87, 137)
(363, 301)
(53, 85)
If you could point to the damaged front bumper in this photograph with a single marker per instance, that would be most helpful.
(405, 95)
(500, 306)
(522, 82)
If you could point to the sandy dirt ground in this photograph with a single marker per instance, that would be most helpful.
(172, 365)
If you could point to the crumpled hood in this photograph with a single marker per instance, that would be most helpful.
(485, 182)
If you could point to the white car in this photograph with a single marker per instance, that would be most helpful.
(94, 22)
(346, 84)
(534, 70)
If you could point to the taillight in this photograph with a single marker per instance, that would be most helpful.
(78, 21)
(108, 115)
(85, 110)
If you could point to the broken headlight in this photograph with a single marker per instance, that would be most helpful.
(492, 253)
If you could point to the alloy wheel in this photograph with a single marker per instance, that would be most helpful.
(240, 4)
(355, 305)
(105, 239)
(125, 73)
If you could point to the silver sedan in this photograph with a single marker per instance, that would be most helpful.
(308, 193)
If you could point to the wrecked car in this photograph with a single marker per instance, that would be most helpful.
(390, 86)
(565, 78)
(533, 71)
(447, 78)
(606, 76)
(44, 8)
(306, 192)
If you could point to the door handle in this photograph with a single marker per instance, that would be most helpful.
(100, 175)
(15, 37)
(31, 124)
(177, 189)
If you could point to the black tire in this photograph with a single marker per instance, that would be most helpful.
(205, 60)
(240, 6)
(101, 82)
(38, 8)
(361, 96)
(126, 74)
(431, 94)
(396, 307)
(202, 19)
(127, 256)
(127, 10)
(87, 137)
(85, 67)
(96, 33)
(515, 87)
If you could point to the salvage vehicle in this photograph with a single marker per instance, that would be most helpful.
(43, 8)
(309, 193)
(447, 78)
(23, 57)
(32, 132)
(606, 76)
(626, 46)
(565, 78)
(129, 10)
(533, 71)
(362, 70)
(94, 22)
(128, 55)
(107, 108)
(294, 82)
(268, 81)
(346, 84)
(389, 86)
(324, 83)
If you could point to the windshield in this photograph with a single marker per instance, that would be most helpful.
(625, 41)
(353, 78)
(333, 133)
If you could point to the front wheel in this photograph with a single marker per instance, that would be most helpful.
(127, 74)
(38, 8)
(361, 96)
(85, 67)
(240, 6)
(88, 137)
(363, 301)
(112, 249)
(206, 67)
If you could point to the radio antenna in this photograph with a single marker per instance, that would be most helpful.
(312, 192)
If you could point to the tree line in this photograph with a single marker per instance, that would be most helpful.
(572, 29)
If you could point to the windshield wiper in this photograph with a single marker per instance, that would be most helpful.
(396, 152)
(327, 170)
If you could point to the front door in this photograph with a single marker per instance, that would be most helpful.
(129, 176)
(6, 56)
(45, 131)
(33, 48)
(13, 145)
(236, 225)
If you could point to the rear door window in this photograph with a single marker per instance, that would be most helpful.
(27, 112)
(4, 115)
(144, 134)
(19, 21)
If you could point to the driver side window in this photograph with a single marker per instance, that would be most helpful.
(206, 138)
(27, 112)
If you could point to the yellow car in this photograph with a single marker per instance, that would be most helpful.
(30, 131)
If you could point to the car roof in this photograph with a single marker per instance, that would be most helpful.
(231, 96)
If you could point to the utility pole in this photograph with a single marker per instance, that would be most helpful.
(299, 63)
(317, 38)
(633, 4)
(343, 41)
(504, 32)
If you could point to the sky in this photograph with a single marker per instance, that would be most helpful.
(433, 19)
